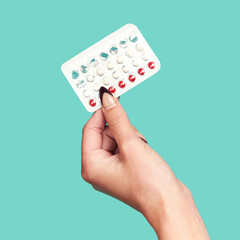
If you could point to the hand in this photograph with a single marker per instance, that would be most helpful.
(117, 161)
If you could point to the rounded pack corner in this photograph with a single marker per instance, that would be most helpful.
(62, 67)
(132, 25)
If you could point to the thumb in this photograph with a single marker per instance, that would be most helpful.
(116, 118)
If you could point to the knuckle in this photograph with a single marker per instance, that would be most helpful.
(87, 173)
(84, 129)
(84, 175)
(87, 177)
(134, 128)
(187, 191)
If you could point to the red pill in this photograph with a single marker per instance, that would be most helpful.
(151, 65)
(132, 78)
(141, 71)
(92, 102)
(112, 89)
(121, 84)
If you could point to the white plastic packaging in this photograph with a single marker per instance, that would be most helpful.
(118, 62)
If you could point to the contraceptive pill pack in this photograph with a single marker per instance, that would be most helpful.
(118, 62)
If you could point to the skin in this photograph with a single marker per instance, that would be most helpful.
(116, 161)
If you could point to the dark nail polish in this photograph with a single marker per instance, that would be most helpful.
(103, 90)
(144, 140)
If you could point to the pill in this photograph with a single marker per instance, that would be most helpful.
(112, 89)
(121, 84)
(83, 69)
(100, 72)
(92, 102)
(139, 47)
(113, 50)
(151, 65)
(106, 80)
(141, 71)
(116, 74)
(87, 93)
(133, 38)
(129, 53)
(96, 87)
(94, 62)
(75, 74)
(118, 62)
(125, 69)
(144, 57)
(135, 63)
(110, 65)
(123, 44)
(104, 56)
(90, 78)
(120, 59)
(132, 78)
(80, 84)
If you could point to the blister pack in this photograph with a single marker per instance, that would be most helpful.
(118, 62)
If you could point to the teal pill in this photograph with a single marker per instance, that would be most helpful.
(133, 38)
(83, 69)
(113, 50)
(104, 55)
(94, 62)
(75, 74)
(123, 44)
(80, 83)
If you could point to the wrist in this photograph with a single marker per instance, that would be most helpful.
(173, 215)
(165, 209)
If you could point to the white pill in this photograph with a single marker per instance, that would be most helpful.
(100, 72)
(90, 77)
(145, 57)
(96, 87)
(129, 53)
(125, 68)
(120, 59)
(110, 65)
(106, 80)
(87, 93)
(135, 63)
(116, 74)
(139, 47)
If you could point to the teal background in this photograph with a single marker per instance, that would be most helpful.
(189, 113)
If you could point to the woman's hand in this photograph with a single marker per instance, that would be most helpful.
(117, 161)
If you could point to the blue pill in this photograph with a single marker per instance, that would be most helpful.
(83, 69)
(113, 50)
(133, 38)
(104, 55)
(75, 74)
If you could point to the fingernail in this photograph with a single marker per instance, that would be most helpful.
(107, 99)
(144, 140)
(102, 90)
